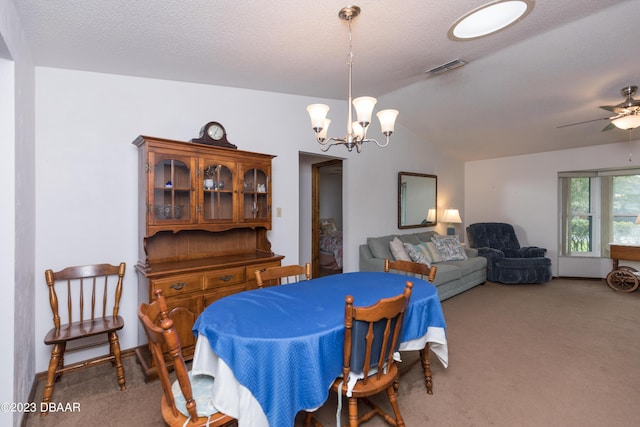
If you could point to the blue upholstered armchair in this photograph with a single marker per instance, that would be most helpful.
(507, 262)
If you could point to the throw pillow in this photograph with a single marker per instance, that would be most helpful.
(449, 248)
(398, 251)
(415, 254)
(328, 226)
(433, 252)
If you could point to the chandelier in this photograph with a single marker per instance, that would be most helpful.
(356, 130)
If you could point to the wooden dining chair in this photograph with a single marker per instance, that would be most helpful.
(92, 294)
(286, 274)
(186, 402)
(425, 272)
(371, 336)
(416, 269)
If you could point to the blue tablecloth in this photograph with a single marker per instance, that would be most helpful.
(284, 343)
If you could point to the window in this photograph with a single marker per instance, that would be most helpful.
(598, 208)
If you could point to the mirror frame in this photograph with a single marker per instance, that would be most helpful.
(427, 203)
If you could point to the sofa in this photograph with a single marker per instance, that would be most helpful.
(453, 276)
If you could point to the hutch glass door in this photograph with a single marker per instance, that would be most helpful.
(217, 191)
(171, 200)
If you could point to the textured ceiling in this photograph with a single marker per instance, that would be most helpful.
(555, 67)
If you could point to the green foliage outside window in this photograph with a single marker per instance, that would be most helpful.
(581, 227)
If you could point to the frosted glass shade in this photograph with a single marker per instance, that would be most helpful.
(387, 121)
(631, 121)
(364, 109)
(318, 115)
(322, 135)
(358, 131)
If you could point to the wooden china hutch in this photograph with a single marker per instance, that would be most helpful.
(204, 212)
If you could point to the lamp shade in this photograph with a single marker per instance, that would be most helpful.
(358, 131)
(364, 108)
(322, 135)
(627, 122)
(387, 121)
(451, 216)
(318, 114)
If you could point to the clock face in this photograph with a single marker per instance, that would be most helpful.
(215, 132)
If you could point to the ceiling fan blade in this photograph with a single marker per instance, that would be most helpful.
(612, 108)
(580, 123)
(608, 127)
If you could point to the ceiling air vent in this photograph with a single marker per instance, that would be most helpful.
(451, 65)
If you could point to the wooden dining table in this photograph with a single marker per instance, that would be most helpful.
(275, 351)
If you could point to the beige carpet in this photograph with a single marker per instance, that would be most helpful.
(566, 353)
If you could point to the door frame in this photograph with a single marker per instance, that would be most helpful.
(315, 213)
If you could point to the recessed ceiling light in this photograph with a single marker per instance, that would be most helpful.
(490, 18)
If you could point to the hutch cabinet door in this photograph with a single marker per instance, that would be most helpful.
(217, 189)
(256, 193)
(170, 196)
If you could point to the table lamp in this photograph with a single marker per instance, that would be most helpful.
(451, 216)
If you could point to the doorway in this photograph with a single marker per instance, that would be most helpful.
(326, 218)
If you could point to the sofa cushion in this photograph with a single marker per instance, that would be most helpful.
(379, 246)
(468, 265)
(398, 251)
(447, 273)
(449, 248)
(409, 238)
(426, 236)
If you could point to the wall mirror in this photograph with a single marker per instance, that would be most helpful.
(417, 195)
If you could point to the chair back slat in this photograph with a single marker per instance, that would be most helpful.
(414, 269)
(287, 274)
(372, 333)
(88, 298)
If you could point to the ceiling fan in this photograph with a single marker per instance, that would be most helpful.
(627, 113)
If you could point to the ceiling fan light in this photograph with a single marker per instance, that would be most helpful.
(490, 18)
(627, 122)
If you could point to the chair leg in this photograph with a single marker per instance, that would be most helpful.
(394, 404)
(54, 362)
(353, 412)
(115, 350)
(426, 366)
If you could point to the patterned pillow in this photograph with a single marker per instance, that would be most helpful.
(398, 251)
(449, 248)
(416, 254)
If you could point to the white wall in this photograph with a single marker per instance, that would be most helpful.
(523, 191)
(86, 169)
(17, 233)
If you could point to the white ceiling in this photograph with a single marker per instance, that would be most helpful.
(553, 68)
